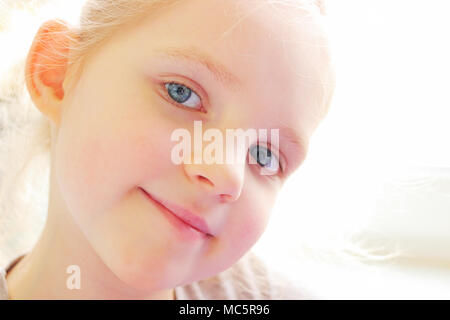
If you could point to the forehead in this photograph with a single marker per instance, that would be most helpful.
(277, 54)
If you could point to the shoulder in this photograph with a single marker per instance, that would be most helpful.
(249, 279)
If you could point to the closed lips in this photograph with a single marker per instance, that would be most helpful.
(184, 215)
(188, 217)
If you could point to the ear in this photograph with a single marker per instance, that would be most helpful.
(46, 67)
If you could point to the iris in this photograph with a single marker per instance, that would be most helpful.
(262, 155)
(178, 92)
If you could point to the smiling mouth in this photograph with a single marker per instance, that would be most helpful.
(179, 221)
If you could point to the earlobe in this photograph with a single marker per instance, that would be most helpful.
(46, 67)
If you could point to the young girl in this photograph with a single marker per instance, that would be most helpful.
(123, 220)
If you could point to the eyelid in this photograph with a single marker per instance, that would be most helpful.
(193, 87)
(279, 155)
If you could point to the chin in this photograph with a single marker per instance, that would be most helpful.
(144, 278)
(154, 272)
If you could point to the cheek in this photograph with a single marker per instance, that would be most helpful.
(97, 170)
(98, 174)
(251, 219)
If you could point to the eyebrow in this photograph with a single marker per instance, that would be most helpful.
(195, 56)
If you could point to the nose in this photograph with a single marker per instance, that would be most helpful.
(224, 181)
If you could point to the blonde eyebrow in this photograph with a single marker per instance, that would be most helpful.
(194, 55)
(228, 79)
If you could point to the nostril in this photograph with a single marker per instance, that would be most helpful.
(204, 179)
(225, 197)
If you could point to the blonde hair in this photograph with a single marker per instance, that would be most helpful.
(25, 132)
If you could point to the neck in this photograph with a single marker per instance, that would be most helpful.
(44, 273)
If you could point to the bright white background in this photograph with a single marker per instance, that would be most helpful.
(379, 167)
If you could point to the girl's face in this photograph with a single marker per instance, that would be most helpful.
(114, 140)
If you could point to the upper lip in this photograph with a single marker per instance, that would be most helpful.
(195, 221)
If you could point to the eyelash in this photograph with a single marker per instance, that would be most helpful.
(179, 105)
(280, 161)
(202, 109)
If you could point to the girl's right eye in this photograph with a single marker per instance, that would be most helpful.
(183, 95)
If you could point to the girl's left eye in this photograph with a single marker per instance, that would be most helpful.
(266, 159)
(183, 95)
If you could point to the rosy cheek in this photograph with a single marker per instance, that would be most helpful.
(246, 231)
(152, 150)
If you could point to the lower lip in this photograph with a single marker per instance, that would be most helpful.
(184, 230)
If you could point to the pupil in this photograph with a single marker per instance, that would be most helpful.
(263, 158)
(178, 92)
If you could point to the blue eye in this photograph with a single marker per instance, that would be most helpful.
(183, 95)
(265, 158)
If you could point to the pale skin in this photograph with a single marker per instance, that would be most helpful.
(111, 136)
